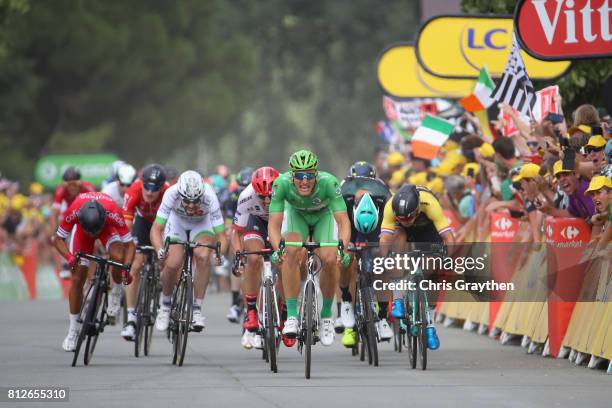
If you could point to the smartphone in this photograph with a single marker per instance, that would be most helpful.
(470, 172)
(554, 118)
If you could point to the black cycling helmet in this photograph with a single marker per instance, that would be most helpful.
(91, 217)
(406, 201)
(153, 177)
(362, 169)
(244, 177)
(71, 174)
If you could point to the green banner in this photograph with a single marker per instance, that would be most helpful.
(94, 168)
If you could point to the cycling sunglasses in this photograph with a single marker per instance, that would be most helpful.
(408, 218)
(196, 201)
(151, 188)
(532, 144)
(589, 149)
(302, 175)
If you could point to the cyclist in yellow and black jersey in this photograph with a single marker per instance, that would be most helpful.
(414, 214)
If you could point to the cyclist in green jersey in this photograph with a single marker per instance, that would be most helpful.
(308, 204)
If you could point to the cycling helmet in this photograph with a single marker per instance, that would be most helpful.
(190, 185)
(126, 174)
(262, 180)
(153, 177)
(244, 177)
(91, 217)
(365, 215)
(117, 164)
(71, 174)
(303, 160)
(362, 169)
(406, 201)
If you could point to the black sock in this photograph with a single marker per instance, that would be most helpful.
(235, 297)
(338, 307)
(283, 312)
(383, 308)
(346, 295)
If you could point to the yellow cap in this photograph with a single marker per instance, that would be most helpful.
(445, 168)
(597, 183)
(36, 188)
(529, 170)
(475, 168)
(436, 185)
(395, 159)
(596, 141)
(456, 157)
(418, 179)
(558, 168)
(581, 128)
(18, 202)
(487, 150)
(449, 145)
(397, 177)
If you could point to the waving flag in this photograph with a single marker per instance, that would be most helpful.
(515, 87)
(480, 98)
(430, 136)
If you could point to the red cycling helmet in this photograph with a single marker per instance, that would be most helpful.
(262, 180)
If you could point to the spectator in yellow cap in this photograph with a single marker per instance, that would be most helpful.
(395, 161)
(574, 187)
(36, 188)
(600, 191)
(595, 152)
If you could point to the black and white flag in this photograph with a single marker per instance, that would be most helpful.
(515, 87)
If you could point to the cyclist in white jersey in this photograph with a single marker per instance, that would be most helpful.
(189, 205)
(251, 233)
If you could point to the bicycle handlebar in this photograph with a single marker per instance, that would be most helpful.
(312, 245)
(101, 261)
(239, 260)
(193, 245)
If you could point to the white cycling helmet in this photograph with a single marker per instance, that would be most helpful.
(126, 174)
(190, 185)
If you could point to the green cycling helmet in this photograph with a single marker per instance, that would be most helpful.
(303, 160)
(365, 215)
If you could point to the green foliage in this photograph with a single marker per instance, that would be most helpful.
(194, 82)
(582, 84)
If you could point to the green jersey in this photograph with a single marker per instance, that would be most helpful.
(326, 194)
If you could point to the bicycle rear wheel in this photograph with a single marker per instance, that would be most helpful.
(96, 324)
(270, 332)
(397, 335)
(84, 318)
(186, 316)
(309, 307)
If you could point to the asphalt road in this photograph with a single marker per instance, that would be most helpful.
(468, 371)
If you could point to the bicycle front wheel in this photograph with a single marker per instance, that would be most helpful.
(185, 320)
(309, 308)
(270, 332)
(84, 318)
(370, 321)
(96, 324)
(141, 314)
(422, 332)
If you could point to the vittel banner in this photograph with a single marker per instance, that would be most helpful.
(565, 29)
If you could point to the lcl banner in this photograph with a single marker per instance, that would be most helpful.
(564, 29)
(458, 46)
(400, 75)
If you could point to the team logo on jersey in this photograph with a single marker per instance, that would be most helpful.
(316, 201)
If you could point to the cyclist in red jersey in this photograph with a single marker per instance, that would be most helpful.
(96, 217)
(142, 200)
(65, 193)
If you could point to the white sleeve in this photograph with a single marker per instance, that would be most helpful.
(241, 217)
(167, 204)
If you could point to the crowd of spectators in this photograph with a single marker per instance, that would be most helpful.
(559, 166)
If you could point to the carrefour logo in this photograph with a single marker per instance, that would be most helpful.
(503, 224)
(570, 232)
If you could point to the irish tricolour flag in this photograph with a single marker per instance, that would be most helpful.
(430, 136)
(480, 98)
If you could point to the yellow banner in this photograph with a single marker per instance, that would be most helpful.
(400, 75)
(459, 46)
